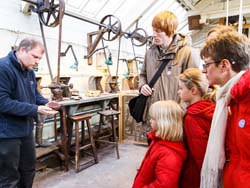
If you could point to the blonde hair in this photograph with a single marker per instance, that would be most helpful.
(169, 118)
(166, 21)
(211, 94)
(193, 77)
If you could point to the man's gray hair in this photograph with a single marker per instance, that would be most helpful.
(29, 44)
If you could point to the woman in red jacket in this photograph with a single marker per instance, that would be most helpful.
(162, 164)
(193, 87)
(226, 63)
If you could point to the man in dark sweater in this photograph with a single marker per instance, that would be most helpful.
(20, 102)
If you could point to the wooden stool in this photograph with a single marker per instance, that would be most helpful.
(78, 148)
(112, 136)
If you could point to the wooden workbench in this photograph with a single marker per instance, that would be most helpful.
(81, 106)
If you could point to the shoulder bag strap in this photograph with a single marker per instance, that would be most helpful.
(158, 73)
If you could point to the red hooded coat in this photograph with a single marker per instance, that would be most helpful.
(162, 164)
(237, 168)
(197, 123)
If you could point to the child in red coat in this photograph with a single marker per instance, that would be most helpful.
(193, 87)
(162, 164)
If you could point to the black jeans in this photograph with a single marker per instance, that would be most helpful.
(17, 162)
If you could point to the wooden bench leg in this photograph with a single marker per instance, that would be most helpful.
(92, 141)
(114, 137)
(55, 128)
(83, 133)
(76, 146)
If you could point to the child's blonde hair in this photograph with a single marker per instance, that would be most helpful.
(169, 118)
(193, 77)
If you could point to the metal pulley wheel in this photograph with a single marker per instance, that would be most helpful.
(49, 11)
(113, 27)
(139, 37)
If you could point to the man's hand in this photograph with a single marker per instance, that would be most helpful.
(45, 110)
(54, 105)
(146, 90)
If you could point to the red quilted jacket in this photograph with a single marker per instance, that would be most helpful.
(237, 168)
(162, 164)
(197, 123)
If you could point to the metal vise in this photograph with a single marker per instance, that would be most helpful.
(59, 90)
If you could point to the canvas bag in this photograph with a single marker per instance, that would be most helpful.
(137, 104)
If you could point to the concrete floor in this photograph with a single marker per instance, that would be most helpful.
(108, 173)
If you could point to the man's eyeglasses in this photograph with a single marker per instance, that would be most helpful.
(206, 65)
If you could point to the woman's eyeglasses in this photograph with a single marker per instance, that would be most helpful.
(206, 65)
